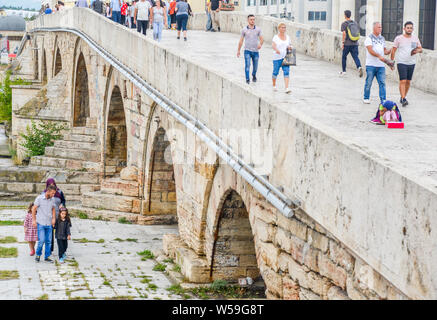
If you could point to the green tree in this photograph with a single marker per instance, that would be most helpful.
(41, 135)
(6, 96)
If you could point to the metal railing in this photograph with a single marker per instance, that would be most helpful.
(272, 194)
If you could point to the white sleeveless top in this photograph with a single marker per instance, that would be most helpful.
(281, 45)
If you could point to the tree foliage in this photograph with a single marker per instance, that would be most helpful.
(41, 135)
(6, 96)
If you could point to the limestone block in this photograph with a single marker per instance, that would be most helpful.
(20, 187)
(263, 231)
(294, 226)
(269, 254)
(341, 256)
(129, 174)
(335, 293)
(352, 291)
(290, 289)
(305, 294)
(273, 282)
(330, 270)
(318, 240)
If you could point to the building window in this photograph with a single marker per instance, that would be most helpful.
(392, 18)
(427, 23)
(316, 15)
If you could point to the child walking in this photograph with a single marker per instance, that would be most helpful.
(62, 234)
(30, 232)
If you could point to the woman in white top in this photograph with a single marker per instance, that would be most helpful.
(158, 19)
(280, 43)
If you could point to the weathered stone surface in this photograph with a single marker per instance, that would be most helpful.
(129, 174)
(290, 289)
(305, 294)
(335, 293)
(331, 271)
(341, 256)
(318, 240)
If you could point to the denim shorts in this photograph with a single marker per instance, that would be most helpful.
(405, 71)
(182, 20)
(277, 65)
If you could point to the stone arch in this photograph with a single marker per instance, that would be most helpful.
(81, 107)
(57, 62)
(161, 186)
(116, 133)
(233, 251)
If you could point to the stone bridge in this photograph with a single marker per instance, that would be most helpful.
(312, 198)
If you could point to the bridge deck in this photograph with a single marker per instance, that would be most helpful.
(330, 103)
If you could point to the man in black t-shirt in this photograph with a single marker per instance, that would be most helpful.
(349, 46)
(214, 8)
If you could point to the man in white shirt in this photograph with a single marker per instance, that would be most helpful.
(375, 62)
(142, 13)
(407, 46)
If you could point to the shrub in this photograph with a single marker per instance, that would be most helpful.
(41, 135)
(6, 96)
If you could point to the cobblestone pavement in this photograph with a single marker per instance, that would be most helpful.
(94, 270)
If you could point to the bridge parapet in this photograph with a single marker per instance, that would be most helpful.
(342, 186)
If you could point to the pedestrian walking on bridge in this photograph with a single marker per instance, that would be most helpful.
(158, 19)
(115, 10)
(375, 62)
(182, 11)
(281, 43)
(142, 13)
(406, 46)
(351, 35)
(253, 41)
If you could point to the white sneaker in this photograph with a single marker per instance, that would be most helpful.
(287, 90)
(342, 74)
(366, 101)
(275, 89)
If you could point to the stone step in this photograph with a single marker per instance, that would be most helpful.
(75, 154)
(65, 144)
(99, 200)
(117, 186)
(46, 161)
(30, 197)
(79, 138)
(35, 174)
(111, 215)
(84, 131)
(30, 187)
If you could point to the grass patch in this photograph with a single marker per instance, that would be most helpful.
(168, 260)
(159, 267)
(11, 223)
(8, 274)
(146, 254)
(8, 240)
(43, 297)
(99, 218)
(85, 240)
(8, 252)
(176, 289)
(124, 221)
(220, 289)
(82, 215)
(12, 207)
(106, 283)
(177, 268)
(152, 286)
(73, 263)
(120, 298)
(128, 240)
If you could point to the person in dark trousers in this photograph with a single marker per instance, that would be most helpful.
(63, 234)
(141, 17)
(97, 6)
(349, 45)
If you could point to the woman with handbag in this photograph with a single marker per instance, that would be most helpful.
(281, 44)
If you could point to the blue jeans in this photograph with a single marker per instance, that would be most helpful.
(116, 16)
(353, 50)
(44, 238)
(157, 30)
(277, 65)
(169, 21)
(208, 22)
(379, 73)
(255, 57)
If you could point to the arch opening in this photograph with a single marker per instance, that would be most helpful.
(58, 62)
(233, 252)
(161, 187)
(116, 135)
(81, 94)
(44, 67)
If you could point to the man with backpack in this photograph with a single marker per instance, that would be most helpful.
(351, 35)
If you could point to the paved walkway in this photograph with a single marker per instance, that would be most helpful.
(330, 103)
(111, 269)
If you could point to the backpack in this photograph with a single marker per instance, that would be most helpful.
(353, 31)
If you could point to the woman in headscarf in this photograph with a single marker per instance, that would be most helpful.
(59, 201)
